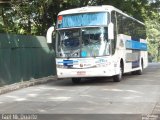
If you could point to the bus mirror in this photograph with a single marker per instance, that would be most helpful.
(49, 34)
(111, 31)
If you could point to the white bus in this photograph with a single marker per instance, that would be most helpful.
(98, 41)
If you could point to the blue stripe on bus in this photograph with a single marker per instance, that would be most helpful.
(68, 62)
(136, 45)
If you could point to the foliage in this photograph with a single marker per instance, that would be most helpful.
(153, 37)
(36, 16)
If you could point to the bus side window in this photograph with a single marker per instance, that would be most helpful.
(119, 23)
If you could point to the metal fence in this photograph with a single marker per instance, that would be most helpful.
(24, 57)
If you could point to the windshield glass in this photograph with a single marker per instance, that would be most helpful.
(83, 42)
(94, 42)
(69, 43)
(82, 19)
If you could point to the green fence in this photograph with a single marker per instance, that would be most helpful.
(24, 57)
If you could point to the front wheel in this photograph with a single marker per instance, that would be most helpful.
(118, 78)
(76, 80)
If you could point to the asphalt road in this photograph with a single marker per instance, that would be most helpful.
(134, 95)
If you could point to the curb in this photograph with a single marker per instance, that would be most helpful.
(25, 84)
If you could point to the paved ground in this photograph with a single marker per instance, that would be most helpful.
(134, 95)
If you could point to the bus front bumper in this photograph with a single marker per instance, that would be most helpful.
(92, 72)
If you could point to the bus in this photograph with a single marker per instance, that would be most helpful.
(98, 41)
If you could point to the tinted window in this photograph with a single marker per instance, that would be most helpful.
(131, 27)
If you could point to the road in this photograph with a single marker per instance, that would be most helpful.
(133, 95)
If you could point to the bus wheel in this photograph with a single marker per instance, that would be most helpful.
(76, 80)
(140, 72)
(118, 78)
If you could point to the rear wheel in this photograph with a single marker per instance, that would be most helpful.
(76, 80)
(140, 72)
(118, 78)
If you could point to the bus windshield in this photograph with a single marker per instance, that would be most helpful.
(83, 42)
(82, 20)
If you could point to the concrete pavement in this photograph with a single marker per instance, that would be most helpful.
(133, 95)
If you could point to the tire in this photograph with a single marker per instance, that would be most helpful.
(140, 72)
(76, 80)
(118, 78)
(134, 72)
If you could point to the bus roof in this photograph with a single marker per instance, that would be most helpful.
(88, 9)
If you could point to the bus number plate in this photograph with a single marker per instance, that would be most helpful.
(81, 73)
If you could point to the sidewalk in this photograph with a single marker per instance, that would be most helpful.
(24, 84)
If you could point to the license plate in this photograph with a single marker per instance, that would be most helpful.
(81, 73)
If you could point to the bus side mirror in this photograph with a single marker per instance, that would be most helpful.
(111, 31)
(49, 34)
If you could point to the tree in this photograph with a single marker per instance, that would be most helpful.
(36, 16)
(3, 5)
